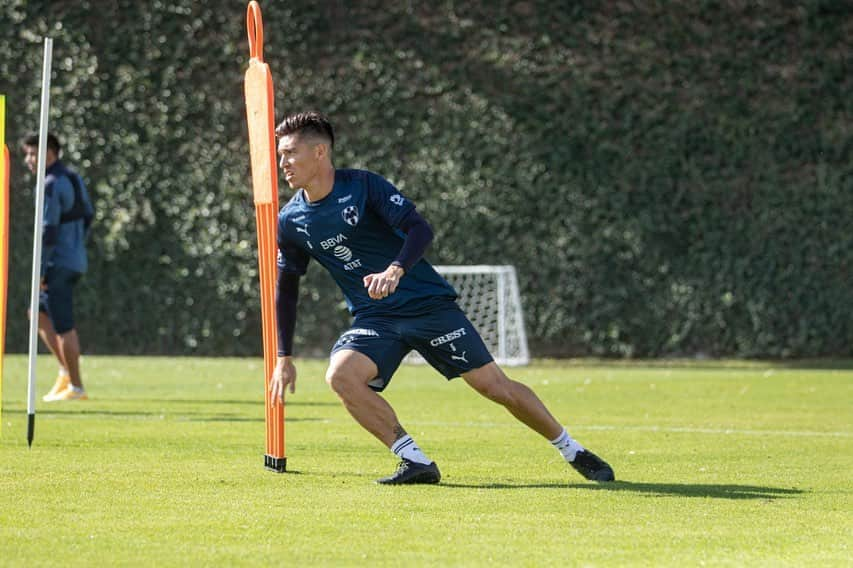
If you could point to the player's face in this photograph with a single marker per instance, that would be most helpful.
(298, 160)
(31, 157)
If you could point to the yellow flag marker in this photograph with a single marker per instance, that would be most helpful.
(4, 241)
(260, 115)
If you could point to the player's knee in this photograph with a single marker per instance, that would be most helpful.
(339, 381)
(332, 377)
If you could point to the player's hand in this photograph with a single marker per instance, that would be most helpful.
(284, 374)
(383, 284)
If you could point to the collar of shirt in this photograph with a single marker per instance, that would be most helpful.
(57, 169)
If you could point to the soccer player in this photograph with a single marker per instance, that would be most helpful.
(68, 214)
(371, 239)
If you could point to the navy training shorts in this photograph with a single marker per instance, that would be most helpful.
(445, 338)
(58, 300)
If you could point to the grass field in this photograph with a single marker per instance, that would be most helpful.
(722, 464)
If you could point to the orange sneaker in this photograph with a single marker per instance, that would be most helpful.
(71, 394)
(62, 383)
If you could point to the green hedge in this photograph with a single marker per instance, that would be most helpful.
(670, 179)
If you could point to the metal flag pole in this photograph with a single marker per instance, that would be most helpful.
(38, 225)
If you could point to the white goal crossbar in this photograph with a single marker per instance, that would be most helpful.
(490, 298)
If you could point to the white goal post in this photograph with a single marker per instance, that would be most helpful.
(489, 297)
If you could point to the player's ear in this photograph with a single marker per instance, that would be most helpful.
(321, 150)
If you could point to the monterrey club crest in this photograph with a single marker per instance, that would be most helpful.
(350, 215)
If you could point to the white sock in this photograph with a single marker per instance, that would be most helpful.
(567, 446)
(76, 389)
(405, 448)
(62, 371)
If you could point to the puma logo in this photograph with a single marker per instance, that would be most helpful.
(460, 357)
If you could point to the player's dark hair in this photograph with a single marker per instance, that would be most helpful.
(52, 142)
(309, 123)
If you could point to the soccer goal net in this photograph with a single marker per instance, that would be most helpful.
(490, 298)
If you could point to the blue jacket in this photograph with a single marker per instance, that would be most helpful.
(64, 243)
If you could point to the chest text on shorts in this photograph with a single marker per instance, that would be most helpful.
(448, 337)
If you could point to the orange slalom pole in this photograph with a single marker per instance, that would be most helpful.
(260, 116)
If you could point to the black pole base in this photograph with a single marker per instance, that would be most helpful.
(278, 465)
(31, 429)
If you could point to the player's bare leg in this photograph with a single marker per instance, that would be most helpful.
(70, 346)
(51, 340)
(491, 382)
(348, 374)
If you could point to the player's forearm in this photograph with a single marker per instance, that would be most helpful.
(419, 235)
(287, 295)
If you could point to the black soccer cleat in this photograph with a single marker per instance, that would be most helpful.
(592, 467)
(409, 472)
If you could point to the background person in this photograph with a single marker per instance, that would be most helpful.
(370, 238)
(68, 215)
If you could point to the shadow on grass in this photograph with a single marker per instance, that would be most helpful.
(819, 364)
(712, 491)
